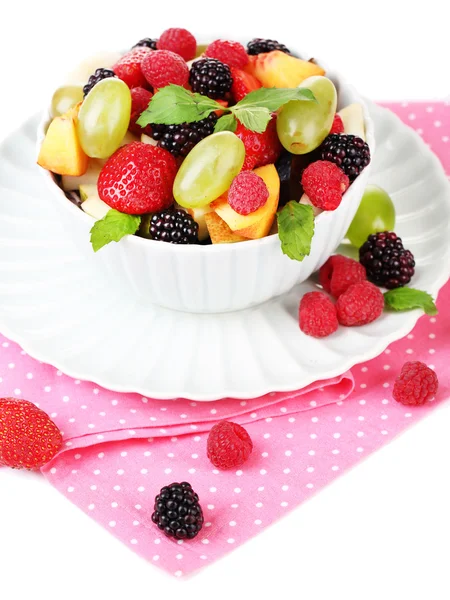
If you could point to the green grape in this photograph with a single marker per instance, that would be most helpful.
(302, 126)
(104, 118)
(209, 169)
(376, 212)
(64, 98)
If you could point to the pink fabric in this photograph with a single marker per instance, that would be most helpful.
(120, 449)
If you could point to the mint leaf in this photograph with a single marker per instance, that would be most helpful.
(274, 98)
(256, 119)
(409, 298)
(296, 229)
(226, 123)
(173, 105)
(112, 228)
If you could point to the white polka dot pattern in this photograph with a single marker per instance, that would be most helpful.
(121, 448)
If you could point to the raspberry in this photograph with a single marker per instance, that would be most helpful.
(317, 315)
(178, 512)
(339, 273)
(28, 437)
(360, 304)
(180, 41)
(232, 54)
(247, 193)
(229, 445)
(128, 68)
(338, 125)
(324, 183)
(243, 84)
(162, 67)
(140, 99)
(416, 384)
(138, 178)
(260, 148)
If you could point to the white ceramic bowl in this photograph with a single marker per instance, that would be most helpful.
(215, 278)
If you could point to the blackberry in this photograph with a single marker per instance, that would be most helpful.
(174, 226)
(95, 78)
(386, 261)
(349, 152)
(259, 45)
(180, 139)
(178, 512)
(147, 42)
(210, 77)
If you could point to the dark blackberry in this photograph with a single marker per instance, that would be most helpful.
(260, 45)
(180, 139)
(349, 152)
(178, 512)
(386, 261)
(174, 226)
(147, 42)
(210, 77)
(95, 78)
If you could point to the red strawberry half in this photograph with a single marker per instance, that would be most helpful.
(260, 148)
(28, 437)
(140, 99)
(137, 179)
(243, 84)
(128, 68)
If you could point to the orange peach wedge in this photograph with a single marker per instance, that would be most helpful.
(281, 70)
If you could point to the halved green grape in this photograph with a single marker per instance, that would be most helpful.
(375, 213)
(209, 169)
(104, 118)
(64, 98)
(302, 126)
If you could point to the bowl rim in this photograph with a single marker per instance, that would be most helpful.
(250, 244)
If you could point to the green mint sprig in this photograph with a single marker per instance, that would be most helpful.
(401, 299)
(296, 229)
(112, 228)
(173, 105)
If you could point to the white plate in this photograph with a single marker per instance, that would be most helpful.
(58, 307)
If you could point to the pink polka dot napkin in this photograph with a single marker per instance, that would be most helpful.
(120, 449)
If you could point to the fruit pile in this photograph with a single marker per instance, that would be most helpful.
(190, 144)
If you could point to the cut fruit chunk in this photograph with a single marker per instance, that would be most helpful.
(146, 139)
(281, 70)
(198, 214)
(257, 224)
(70, 183)
(61, 151)
(353, 118)
(219, 231)
(91, 203)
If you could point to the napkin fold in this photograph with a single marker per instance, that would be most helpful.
(120, 449)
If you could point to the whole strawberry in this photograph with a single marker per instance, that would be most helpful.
(128, 68)
(260, 148)
(229, 445)
(140, 99)
(138, 178)
(28, 437)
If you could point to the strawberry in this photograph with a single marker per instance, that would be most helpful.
(128, 68)
(137, 179)
(28, 437)
(140, 100)
(243, 83)
(260, 148)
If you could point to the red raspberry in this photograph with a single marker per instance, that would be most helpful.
(28, 437)
(317, 315)
(243, 84)
(128, 68)
(324, 183)
(140, 99)
(180, 41)
(162, 67)
(338, 125)
(339, 273)
(416, 384)
(247, 193)
(260, 148)
(360, 304)
(232, 54)
(229, 445)
(137, 179)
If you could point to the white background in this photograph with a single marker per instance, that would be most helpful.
(380, 531)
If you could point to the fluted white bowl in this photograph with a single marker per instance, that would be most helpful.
(215, 278)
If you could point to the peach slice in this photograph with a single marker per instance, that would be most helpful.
(219, 232)
(280, 70)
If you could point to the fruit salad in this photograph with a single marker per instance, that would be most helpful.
(204, 144)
